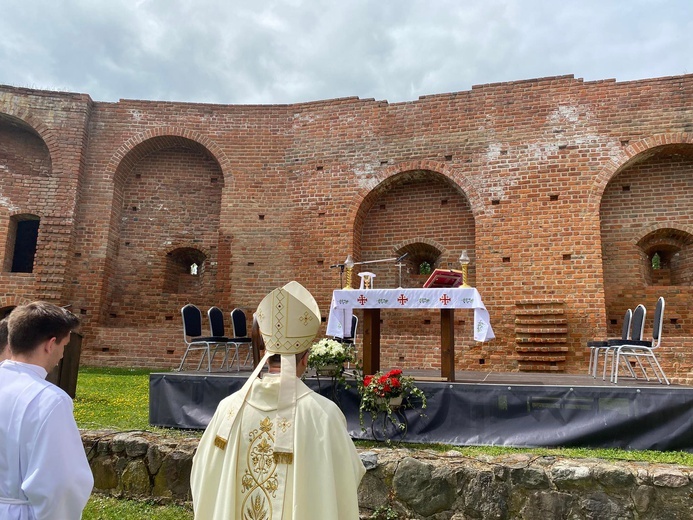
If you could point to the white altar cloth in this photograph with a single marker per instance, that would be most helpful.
(344, 301)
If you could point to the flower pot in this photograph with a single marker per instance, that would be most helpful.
(329, 370)
(393, 402)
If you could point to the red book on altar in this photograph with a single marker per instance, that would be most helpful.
(444, 278)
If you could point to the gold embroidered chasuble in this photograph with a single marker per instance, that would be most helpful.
(244, 482)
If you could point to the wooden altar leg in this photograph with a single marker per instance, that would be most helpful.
(447, 343)
(371, 341)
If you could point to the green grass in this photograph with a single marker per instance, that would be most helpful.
(115, 399)
(661, 457)
(112, 398)
(118, 399)
(107, 508)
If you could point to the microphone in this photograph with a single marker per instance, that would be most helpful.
(401, 258)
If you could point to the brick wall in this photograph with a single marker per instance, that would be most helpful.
(560, 190)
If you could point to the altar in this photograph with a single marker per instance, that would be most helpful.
(344, 301)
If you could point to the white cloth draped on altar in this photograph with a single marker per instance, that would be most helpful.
(344, 301)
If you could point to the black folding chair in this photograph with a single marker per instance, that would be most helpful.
(644, 349)
(192, 335)
(637, 327)
(218, 330)
(240, 335)
(597, 347)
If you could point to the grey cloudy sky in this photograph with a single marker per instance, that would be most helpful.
(273, 51)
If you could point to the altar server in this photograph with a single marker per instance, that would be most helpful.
(44, 473)
(275, 449)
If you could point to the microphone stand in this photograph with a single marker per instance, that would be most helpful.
(342, 266)
(400, 265)
(396, 259)
(341, 274)
(376, 261)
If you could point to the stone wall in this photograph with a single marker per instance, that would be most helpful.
(423, 484)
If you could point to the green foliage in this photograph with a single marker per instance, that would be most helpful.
(424, 268)
(656, 261)
(100, 507)
(384, 512)
(118, 399)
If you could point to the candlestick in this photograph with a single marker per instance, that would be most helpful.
(464, 263)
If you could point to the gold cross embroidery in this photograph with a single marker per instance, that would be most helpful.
(283, 424)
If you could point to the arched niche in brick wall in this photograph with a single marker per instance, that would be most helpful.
(420, 212)
(25, 169)
(168, 190)
(645, 209)
(668, 257)
(423, 213)
(23, 153)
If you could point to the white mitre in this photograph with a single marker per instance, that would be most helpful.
(288, 319)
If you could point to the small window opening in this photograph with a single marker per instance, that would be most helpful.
(184, 270)
(666, 257)
(22, 239)
(419, 260)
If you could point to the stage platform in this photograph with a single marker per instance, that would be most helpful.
(479, 408)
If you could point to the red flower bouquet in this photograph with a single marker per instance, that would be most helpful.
(385, 385)
(387, 392)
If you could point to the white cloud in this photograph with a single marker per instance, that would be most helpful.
(275, 51)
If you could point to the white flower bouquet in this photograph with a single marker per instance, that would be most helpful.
(330, 352)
